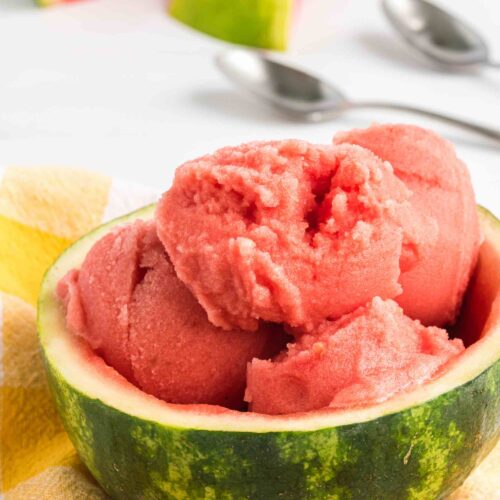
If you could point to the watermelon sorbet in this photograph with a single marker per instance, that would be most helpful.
(129, 305)
(284, 276)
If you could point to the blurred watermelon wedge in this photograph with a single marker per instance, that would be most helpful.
(48, 3)
(268, 24)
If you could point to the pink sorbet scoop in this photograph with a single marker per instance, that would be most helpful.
(127, 302)
(290, 232)
(363, 358)
(434, 287)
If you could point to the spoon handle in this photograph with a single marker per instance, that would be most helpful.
(474, 127)
(493, 64)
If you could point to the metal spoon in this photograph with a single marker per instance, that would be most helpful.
(301, 95)
(437, 34)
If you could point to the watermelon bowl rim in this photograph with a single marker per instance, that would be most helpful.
(73, 362)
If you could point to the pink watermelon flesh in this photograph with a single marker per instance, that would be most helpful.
(128, 304)
(290, 232)
(363, 358)
(433, 288)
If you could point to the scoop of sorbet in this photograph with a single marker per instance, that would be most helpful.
(127, 302)
(289, 231)
(434, 287)
(363, 358)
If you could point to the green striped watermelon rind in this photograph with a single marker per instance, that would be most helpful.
(420, 445)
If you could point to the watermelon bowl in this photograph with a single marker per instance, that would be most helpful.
(418, 445)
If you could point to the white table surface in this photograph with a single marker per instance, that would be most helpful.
(117, 86)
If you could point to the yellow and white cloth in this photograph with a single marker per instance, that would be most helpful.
(42, 211)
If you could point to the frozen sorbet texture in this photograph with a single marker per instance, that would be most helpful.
(356, 253)
(363, 358)
(127, 302)
(433, 289)
(289, 231)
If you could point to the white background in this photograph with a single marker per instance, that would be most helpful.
(117, 86)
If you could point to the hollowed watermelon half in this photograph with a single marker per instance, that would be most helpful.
(418, 445)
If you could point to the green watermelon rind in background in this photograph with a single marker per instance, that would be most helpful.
(45, 3)
(48, 3)
(258, 23)
(420, 446)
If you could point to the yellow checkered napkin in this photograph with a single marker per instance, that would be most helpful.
(41, 212)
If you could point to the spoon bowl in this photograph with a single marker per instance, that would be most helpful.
(290, 89)
(301, 95)
(436, 33)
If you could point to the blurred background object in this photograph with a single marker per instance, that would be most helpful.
(436, 33)
(49, 3)
(302, 96)
(268, 24)
(121, 87)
